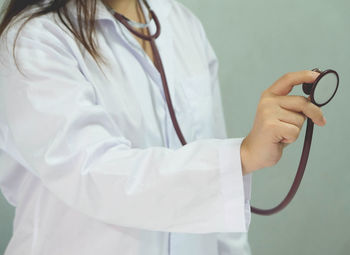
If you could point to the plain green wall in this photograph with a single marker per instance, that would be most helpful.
(257, 42)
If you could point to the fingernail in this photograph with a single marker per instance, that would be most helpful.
(324, 120)
(315, 74)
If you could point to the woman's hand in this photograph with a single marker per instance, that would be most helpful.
(278, 121)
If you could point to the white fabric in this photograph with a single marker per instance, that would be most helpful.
(91, 160)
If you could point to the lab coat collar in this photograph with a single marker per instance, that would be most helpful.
(161, 8)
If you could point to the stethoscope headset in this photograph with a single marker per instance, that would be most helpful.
(326, 83)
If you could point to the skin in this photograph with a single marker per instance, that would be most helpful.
(125, 7)
(132, 10)
(278, 121)
(279, 116)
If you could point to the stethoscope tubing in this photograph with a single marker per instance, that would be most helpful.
(159, 65)
(298, 177)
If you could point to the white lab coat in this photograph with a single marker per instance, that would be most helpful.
(91, 160)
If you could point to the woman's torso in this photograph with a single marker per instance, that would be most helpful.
(131, 91)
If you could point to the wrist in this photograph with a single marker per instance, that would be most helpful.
(243, 152)
(246, 160)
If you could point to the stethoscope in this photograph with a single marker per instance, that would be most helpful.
(326, 83)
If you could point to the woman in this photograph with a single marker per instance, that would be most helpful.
(92, 160)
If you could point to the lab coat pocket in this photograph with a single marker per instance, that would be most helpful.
(198, 93)
(197, 87)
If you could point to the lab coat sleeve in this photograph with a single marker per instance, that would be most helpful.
(219, 123)
(59, 133)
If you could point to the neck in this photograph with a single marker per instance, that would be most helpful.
(125, 7)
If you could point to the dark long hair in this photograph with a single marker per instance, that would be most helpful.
(84, 32)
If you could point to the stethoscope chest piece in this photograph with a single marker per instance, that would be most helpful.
(321, 92)
(323, 89)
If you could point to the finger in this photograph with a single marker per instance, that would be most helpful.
(302, 104)
(287, 133)
(291, 117)
(286, 83)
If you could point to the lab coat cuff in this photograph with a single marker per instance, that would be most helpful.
(235, 187)
(247, 183)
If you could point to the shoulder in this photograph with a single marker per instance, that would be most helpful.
(177, 14)
(182, 12)
(187, 25)
(48, 23)
(46, 29)
(179, 8)
(42, 36)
